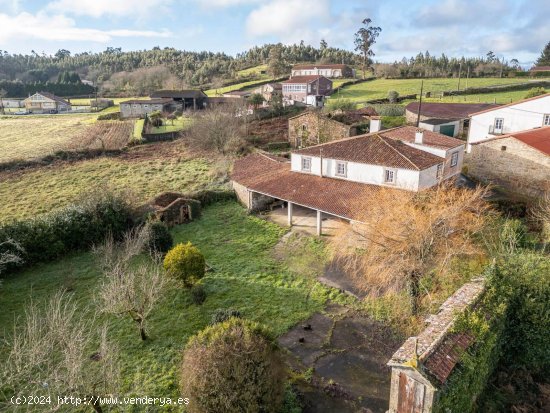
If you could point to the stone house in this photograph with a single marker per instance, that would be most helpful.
(308, 90)
(313, 127)
(451, 119)
(45, 102)
(518, 162)
(190, 99)
(270, 90)
(511, 118)
(328, 70)
(138, 108)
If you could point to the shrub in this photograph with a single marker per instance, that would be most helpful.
(232, 367)
(224, 314)
(109, 116)
(341, 104)
(393, 121)
(389, 109)
(198, 294)
(393, 96)
(186, 263)
(74, 227)
(535, 91)
(160, 239)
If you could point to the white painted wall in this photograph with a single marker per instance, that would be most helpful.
(518, 117)
(437, 128)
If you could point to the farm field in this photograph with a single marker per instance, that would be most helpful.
(497, 97)
(379, 88)
(248, 85)
(30, 136)
(145, 171)
(247, 277)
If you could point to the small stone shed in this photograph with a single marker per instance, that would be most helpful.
(174, 208)
(422, 365)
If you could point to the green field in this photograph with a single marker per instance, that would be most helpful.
(246, 277)
(378, 89)
(256, 71)
(145, 171)
(26, 137)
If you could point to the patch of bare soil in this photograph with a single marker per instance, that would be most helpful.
(347, 352)
(269, 130)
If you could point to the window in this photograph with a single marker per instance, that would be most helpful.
(304, 127)
(546, 121)
(389, 176)
(439, 172)
(341, 169)
(499, 122)
(503, 148)
(454, 159)
(306, 164)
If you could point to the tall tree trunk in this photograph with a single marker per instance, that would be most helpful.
(413, 288)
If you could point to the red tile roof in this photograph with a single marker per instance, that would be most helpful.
(53, 97)
(512, 104)
(269, 176)
(448, 110)
(445, 357)
(538, 139)
(374, 149)
(313, 66)
(435, 139)
(540, 69)
(305, 79)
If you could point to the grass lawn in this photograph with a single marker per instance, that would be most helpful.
(256, 70)
(379, 88)
(247, 85)
(179, 124)
(144, 171)
(247, 277)
(138, 128)
(25, 137)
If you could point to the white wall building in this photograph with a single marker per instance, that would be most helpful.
(514, 117)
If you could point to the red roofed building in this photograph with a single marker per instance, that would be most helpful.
(518, 162)
(330, 70)
(306, 90)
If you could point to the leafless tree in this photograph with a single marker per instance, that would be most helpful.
(10, 253)
(130, 289)
(540, 214)
(221, 129)
(400, 236)
(53, 352)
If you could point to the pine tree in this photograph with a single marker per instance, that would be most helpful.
(544, 59)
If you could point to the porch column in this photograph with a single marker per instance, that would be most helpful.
(319, 223)
(289, 214)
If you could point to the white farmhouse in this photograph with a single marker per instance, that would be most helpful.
(519, 116)
(327, 178)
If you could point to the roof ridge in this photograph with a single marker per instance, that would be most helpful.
(383, 139)
(512, 104)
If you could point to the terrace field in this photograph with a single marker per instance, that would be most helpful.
(144, 171)
(27, 137)
(378, 89)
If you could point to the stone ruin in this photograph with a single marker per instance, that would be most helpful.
(172, 208)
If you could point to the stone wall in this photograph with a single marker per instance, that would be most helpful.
(253, 201)
(511, 164)
(312, 128)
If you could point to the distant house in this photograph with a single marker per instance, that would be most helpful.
(511, 118)
(138, 108)
(11, 103)
(329, 70)
(269, 90)
(539, 69)
(183, 99)
(451, 119)
(45, 102)
(307, 90)
(519, 162)
(313, 127)
(327, 178)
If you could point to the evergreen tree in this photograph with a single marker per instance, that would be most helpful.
(544, 59)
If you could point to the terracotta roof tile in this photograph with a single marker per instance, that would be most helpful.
(435, 139)
(538, 138)
(304, 79)
(448, 110)
(374, 149)
(265, 175)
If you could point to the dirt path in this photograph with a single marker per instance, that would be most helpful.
(347, 352)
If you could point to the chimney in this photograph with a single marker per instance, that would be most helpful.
(419, 136)
(375, 124)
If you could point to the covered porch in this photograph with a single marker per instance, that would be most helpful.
(305, 219)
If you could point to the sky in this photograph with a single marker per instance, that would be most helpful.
(510, 28)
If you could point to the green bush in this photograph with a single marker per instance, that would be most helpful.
(535, 91)
(277, 146)
(186, 263)
(341, 104)
(74, 227)
(393, 96)
(198, 294)
(109, 116)
(385, 109)
(393, 121)
(232, 367)
(224, 314)
(160, 239)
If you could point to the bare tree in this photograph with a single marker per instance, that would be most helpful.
(10, 253)
(540, 214)
(130, 289)
(400, 236)
(54, 352)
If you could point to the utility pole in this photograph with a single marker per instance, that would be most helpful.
(459, 73)
(420, 104)
(467, 76)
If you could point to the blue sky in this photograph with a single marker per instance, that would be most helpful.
(511, 28)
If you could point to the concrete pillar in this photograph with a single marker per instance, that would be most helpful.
(319, 223)
(289, 214)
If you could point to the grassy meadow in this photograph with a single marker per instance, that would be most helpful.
(26, 137)
(144, 171)
(247, 276)
(379, 88)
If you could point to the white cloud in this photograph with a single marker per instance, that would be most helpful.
(226, 3)
(119, 8)
(61, 28)
(10, 5)
(289, 20)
